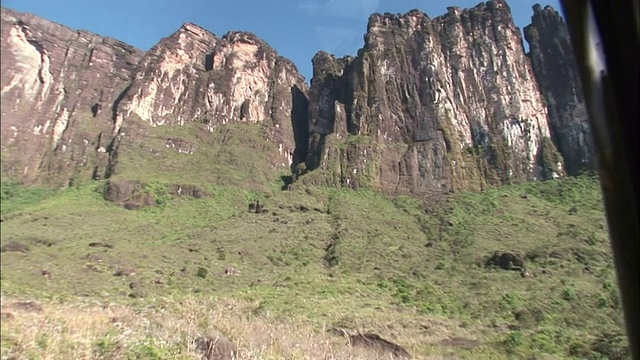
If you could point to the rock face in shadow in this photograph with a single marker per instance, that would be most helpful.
(555, 68)
(58, 86)
(431, 105)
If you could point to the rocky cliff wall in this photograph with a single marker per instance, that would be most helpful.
(427, 105)
(193, 75)
(432, 105)
(66, 95)
(58, 88)
(555, 68)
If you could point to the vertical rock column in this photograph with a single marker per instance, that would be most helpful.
(557, 75)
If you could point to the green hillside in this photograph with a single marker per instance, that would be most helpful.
(411, 270)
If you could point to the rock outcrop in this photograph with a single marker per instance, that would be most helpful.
(555, 68)
(426, 106)
(66, 95)
(431, 105)
(193, 75)
(58, 88)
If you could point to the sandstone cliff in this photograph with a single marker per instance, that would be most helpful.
(194, 76)
(431, 105)
(58, 88)
(427, 105)
(68, 96)
(557, 74)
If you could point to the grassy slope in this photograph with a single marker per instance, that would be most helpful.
(354, 259)
(234, 154)
(378, 276)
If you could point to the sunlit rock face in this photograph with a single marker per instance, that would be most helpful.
(66, 94)
(430, 105)
(193, 75)
(555, 68)
(58, 86)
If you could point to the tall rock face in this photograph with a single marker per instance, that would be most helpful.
(427, 105)
(430, 105)
(557, 74)
(58, 87)
(194, 76)
(73, 102)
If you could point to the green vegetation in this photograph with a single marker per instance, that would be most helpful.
(14, 196)
(352, 162)
(318, 257)
(411, 270)
(234, 154)
(549, 158)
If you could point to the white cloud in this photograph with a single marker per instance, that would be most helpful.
(339, 8)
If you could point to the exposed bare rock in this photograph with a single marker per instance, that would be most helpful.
(14, 246)
(427, 105)
(507, 261)
(66, 94)
(121, 190)
(28, 306)
(140, 200)
(100, 244)
(555, 68)
(231, 271)
(430, 105)
(58, 88)
(193, 75)
(374, 342)
(124, 272)
(215, 347)
(128, 193)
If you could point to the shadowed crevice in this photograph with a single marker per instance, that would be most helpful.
(116, 103)
(300, 122)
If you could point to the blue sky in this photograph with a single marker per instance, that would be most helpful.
(295, 28)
